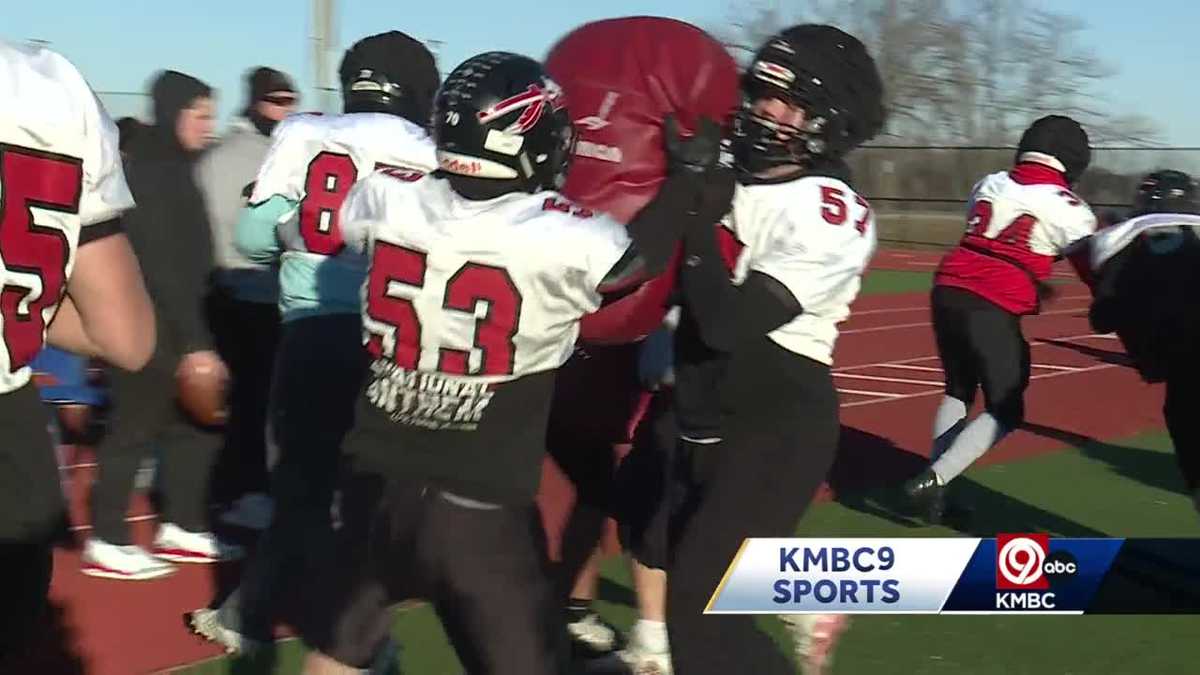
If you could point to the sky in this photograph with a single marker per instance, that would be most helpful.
(119, 44)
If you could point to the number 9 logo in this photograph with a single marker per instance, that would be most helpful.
(1020, 561)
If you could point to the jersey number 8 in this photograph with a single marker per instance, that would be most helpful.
(329, 179)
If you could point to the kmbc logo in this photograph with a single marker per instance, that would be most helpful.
(1020, 562)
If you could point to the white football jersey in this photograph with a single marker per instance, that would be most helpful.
(1017, 225)
(814, 235)
(471, 292)
(1112, 240)
(1058, 217)
(314, 160)
(60, 171)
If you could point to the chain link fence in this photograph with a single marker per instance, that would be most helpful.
(920, 192)
(126, 104)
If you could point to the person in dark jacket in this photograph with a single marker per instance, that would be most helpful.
(243, 308)
(170, 234)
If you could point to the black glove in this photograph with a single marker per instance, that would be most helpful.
(697, 154)
(697, 159)
(717, 197)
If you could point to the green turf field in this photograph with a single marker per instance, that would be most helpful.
(1123, 488)
(896, 281)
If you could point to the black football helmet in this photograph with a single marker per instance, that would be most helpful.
(1166, 192)
(389, 73)
(829, 74)
(1060, 138)
(499, 116)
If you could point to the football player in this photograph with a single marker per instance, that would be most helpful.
(388, 82)
(479, 275)
(754, 397)
(70, 279)
(1018, 223)
(1146, 272)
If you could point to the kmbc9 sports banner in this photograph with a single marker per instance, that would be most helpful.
(1011, 573)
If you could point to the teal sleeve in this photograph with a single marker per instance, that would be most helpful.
(255, 235)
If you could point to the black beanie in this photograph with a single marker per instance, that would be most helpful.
(1061, 138)
(262, 81)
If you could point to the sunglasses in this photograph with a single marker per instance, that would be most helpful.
(281, 100)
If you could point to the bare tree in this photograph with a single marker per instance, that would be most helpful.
(966, 71)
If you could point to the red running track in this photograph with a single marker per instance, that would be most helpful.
(886, 368)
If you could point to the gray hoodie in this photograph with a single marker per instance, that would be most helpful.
(224, 174)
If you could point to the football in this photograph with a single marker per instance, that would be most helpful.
(202, 392)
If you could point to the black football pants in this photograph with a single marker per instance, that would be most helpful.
(981, 347)
(780, 435)
(1182, 413)
(318, 377)
(483, 567)
(246, 336)
(32, 513)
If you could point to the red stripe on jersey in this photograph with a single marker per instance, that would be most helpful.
(1032, 173)
(992, 277)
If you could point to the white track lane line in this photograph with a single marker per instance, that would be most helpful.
(895, 326)
(925, 308)
(905, 366)
(1042, 376)
(877, 394)
(934, 357)
(877, 378)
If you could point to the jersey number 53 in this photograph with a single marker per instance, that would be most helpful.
(470, 285)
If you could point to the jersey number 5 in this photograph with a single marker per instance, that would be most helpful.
(34, 256)
(835, 212)
(472, 284)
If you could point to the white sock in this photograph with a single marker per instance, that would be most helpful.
(948, 423)
(977, 438)
(651, 635)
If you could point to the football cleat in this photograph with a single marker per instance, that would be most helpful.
(927, 496)
(591, 637)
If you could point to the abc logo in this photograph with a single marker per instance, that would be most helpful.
(1060, 566)
(1023, 562)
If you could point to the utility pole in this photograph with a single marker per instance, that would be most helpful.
(323, 41)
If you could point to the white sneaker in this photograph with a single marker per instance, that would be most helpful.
(647, 652)
(593, 634)
(110, 561)
(207, 624)
(815, 637)
(178, 545)
(252, 511)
